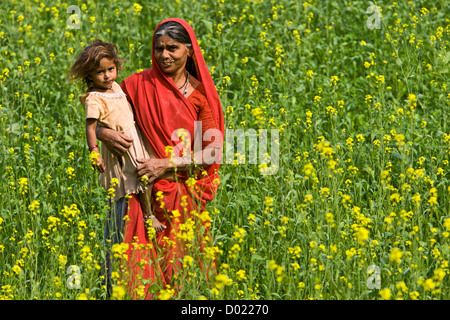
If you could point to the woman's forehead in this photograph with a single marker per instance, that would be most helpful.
(167, 40)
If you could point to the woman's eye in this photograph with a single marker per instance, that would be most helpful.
(171, 49)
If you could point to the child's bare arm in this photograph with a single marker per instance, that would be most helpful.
(91, 138)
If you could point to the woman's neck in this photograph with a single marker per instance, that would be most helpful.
(179, 78)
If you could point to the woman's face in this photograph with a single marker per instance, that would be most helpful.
(104, 76)
(171, 55)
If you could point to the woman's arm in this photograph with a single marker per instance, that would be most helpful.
(116, 142)
(203, 158)
(91, 138)
(156, 168)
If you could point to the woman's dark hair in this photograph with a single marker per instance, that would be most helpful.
(178, 33)
(88, 60)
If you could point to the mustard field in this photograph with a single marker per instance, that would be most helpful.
(351, 202)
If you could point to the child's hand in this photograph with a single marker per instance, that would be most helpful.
(100, 165)
(97, 161)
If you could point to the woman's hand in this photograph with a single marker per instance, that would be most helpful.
(116, 142)
(153, 168)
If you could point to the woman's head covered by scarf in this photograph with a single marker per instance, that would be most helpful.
(180, 31)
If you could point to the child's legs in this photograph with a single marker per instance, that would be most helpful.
(113, 234)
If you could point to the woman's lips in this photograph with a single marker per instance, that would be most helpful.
(166, 64)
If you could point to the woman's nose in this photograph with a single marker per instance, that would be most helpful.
(165, 54)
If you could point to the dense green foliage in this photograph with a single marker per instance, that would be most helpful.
(363, 145)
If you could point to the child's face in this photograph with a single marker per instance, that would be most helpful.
(105, 74)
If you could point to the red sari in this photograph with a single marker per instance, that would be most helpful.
(160, 108)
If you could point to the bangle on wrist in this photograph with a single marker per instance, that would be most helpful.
(93, 147)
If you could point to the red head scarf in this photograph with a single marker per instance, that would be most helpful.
(160, 108)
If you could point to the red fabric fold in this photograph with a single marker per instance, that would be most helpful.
(142, 260)
(160, 109)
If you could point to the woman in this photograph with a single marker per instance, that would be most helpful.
(176, 93)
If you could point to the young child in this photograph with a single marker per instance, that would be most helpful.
(106, 104)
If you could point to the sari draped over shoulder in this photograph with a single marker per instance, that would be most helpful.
(161, 109)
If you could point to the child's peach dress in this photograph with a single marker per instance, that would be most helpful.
(112, 110)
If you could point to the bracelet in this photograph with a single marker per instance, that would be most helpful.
(93, 147)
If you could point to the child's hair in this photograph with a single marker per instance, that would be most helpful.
(88, 60)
